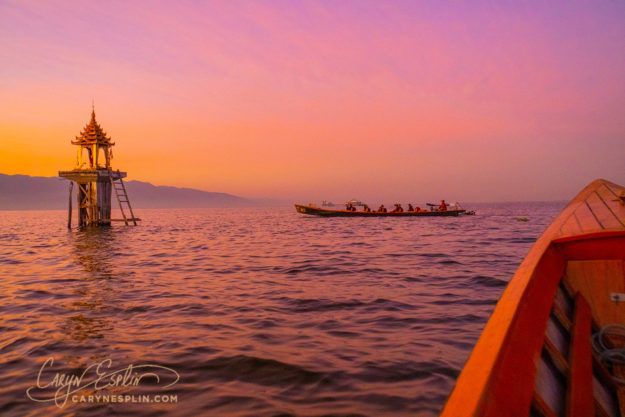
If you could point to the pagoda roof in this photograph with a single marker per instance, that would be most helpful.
(93, 133)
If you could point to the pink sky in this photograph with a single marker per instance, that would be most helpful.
(384, 101)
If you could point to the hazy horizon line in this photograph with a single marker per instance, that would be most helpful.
(282, 201)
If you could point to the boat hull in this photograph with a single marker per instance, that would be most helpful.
(317, 211)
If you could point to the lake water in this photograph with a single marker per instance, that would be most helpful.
(258, 312)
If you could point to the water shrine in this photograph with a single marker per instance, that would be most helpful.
(96, 180)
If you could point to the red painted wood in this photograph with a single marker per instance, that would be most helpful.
(580, 401)
(607, 245)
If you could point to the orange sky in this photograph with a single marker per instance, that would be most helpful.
(317, 100)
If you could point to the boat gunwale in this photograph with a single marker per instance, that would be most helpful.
(589, 236)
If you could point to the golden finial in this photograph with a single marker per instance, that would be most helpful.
(92, 110)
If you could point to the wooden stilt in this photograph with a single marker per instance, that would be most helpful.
(69, 212)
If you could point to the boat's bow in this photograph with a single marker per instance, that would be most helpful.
(534, 356)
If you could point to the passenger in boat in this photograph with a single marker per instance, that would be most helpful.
(398, 208)
(382, 209)
(443, 206)
(410, 208)
(366, 209)
(417, 209)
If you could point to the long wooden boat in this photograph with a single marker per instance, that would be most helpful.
(535, 356)
(324, 212)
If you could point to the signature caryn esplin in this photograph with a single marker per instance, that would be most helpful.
(98, 380)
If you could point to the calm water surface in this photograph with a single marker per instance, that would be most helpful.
(261, 312)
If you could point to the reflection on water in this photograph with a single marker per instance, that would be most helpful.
(261, 312)
(87, 316)
(94, 249)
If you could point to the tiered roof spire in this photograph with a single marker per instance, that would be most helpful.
(93, 134)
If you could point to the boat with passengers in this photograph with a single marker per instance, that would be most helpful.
(433, 210)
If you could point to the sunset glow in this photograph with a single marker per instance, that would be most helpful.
(322, 100)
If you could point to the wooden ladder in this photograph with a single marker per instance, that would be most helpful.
(122, 198)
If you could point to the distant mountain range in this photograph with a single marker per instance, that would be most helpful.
(23, 192)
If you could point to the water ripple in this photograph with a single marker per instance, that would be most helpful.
(262, 312)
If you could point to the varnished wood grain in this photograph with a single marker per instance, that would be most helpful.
(602, 212)
(596, 280)
(578, 217)
(587, 219)
(615, 205)
(570, 227)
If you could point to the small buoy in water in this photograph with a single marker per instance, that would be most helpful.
(521, 219)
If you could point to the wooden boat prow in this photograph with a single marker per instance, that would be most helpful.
(518, 360)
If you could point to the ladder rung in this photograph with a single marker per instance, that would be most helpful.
(122, 199)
